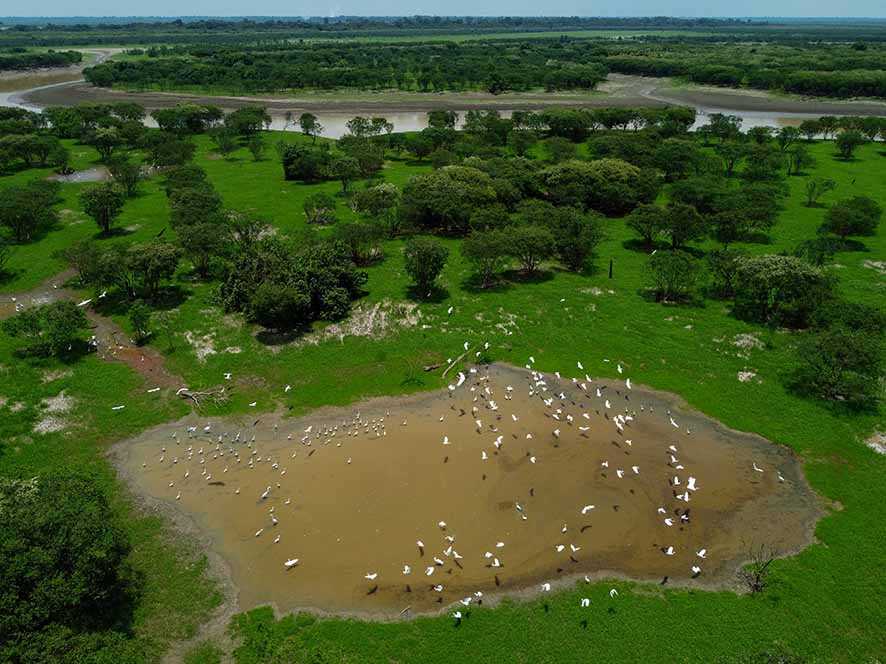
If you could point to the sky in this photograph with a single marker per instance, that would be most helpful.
(792, 8)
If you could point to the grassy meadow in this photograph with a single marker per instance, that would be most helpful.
(825, 604)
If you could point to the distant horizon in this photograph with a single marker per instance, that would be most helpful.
(359, 14)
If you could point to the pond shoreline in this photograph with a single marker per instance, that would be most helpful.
(185, 523)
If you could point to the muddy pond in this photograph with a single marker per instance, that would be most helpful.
(506, 480)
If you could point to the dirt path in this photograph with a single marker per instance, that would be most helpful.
(113, 342)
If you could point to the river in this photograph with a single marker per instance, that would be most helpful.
(408, 112)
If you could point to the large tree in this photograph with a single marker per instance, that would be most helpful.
(103, 202)
(425, 259)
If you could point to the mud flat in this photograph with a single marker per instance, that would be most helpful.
(507, 480)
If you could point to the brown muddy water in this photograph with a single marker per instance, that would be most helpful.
(507, 481)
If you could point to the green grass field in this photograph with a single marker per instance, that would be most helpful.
(825, 604)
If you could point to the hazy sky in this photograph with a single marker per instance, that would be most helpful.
(869, 8)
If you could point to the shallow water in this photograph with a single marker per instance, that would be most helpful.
(96, 174)
(354, 489)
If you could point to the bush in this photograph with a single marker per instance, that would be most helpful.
(425, 259)
(49, 329)
(779, 290)
(140, 320)
(854, 216)
(362, 240)
(319, 208)
(840, 363)
(672, 275)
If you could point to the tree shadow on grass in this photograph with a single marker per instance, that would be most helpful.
(7, 275)
(116, 232)
(686, 301)
(757, 237)
(639, 245)
(536, 277)
(435, 295)
(116, 303)
(474, 284)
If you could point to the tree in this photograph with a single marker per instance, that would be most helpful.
(310, 126)
(189, 206)
(27, 210)
(558, 149)
(799, 159)
(647, 221)
(779, 290)
(140, 320)
(425, 259)
(848, 141)
(306, 163)
(319, 208)
(841, 363)
(105, 140)
(723, 266)
(166, 149)
(859, 215)
(442, 119)
(672, 275)
(279, 306)
(816, 188)
(361, 239)
(442, 157)
(576, 236)
(5, 249)
(63, 561)
(488, 252)
(786, 137)
(48, 329)
(346, 170)
(204, 241)
(381, 202)
(446, 198)
(419, 146)
(151, 263)
(126, 174)
(224, 140)
(247, 121)
(256, 147)
(531, 245)
(810, 129)
(521, 140)
(683, 224)
(103, 202)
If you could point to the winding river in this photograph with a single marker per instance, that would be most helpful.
(408, 111)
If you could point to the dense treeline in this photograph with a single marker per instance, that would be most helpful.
(829, 70)
(220, 30)
(835, 70)
(552, 64)
(18, 61)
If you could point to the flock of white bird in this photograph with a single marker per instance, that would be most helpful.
(204, 443)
